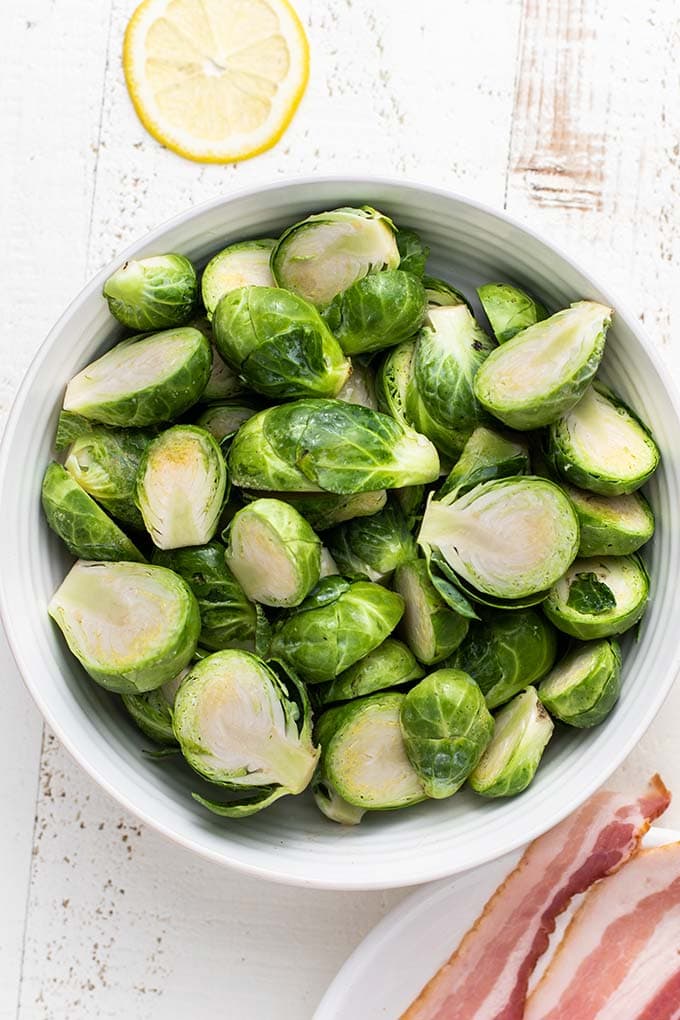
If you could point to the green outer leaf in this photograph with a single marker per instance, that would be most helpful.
(485, 456)
(104, 462)
(430, 627)
(522, 731)
(391, 664)
(70, 427)
(86, 530)
(611, 526)
(618, 573)
(246, 806)
(446, 727)
(589, 595)
(152, 714)
(412, 252)
(372, 547)
(379, 311)
(158, 292)
(441, 294)
(254, 462)
(448, 585)
(509, 309)
(594, 672)
(238, 265)
(323, 510)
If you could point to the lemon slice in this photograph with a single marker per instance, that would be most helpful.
(216, 80)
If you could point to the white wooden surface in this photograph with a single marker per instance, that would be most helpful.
(564, 111)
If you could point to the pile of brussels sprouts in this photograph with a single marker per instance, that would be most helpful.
(332, 531)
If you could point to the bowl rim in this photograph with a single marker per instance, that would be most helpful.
(272, 871)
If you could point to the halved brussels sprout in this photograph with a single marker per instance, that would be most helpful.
(521, 733)
(611, 525)
(440, 400)
(143, 382)
(323, 510)
(360, 387)
(239, 265)
(241, 726)
(373, 547)
(224, 383)
(583, 688)
(181, 486)
(363, 758)
(430, 628)
(441, 294)
(541, 373)
(509, 309)
(225, 417)
(85, 529)
(131, 626)
(338, 624)
(158, 292)
(152, 711)
(104, 462)
(328, 252)
(602, 446)
(228, 617)
(506, 652)
(329, 444)
(273, 553)
(279, 343)
(486, 455)
(393, 380)
(378, 311)
(391, 664)
(446, 726)
(412, 252)
(509, 538)
(599, 597)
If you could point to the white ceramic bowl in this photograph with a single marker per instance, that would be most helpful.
(291, 842)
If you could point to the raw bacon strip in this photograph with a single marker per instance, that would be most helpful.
(620, 956)
(487, 976)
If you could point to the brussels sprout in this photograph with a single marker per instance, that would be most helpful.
(241, 726)
(393, 380)
(240, 265)
(328, 252)
(228, 617)
(486, 455)
(158, 292)
(225, 417)
(131, 626)
(521, 733)
(331, 804)
(430, 628)
(509, 538)
(69, 428)
(378, 311)
(360, 387)
(143, 382)
(323, 510)
(329, 444)
(224, 383)
(509, 309)
(440, 401)
(541, 373)
(273, 553)
(412, 252)
(338, 624)
(611, 525)
(599, 597)
(441, 294)
(391, 664)
(602, 446)
(181, 486)
(104, 462)
(85, 529)
(363, 758)
(584, 687)
(152, 711)
(506, 652)
(279, 343)
(446, 726)
(373, 547)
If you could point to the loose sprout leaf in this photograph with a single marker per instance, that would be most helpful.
(263, 633)
(447, 586)
(393, 380)
(224, 382)
(69, 427)
(331, 804)
(160, 753)
(441, 294)
(245, 806)
(587, 594)
(413, 253)
(509, 309)
(158, 292)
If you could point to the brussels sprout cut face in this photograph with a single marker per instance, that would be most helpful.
(431, 629)
(273, 553)
(279, 343)
(153, 293)
(143, 382)
(181, 486)
(543, 371)
(584, 687)
(599, 597)
(105, 462)
(328, 252)
(379, 311)
(509, 309)
(602, 447)
(508, 538)
(132, 626)
(389, 665)
(446, 726)
(363, 754)
(611, 526)
(239, 265)
(522, 730)
(237, 725)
